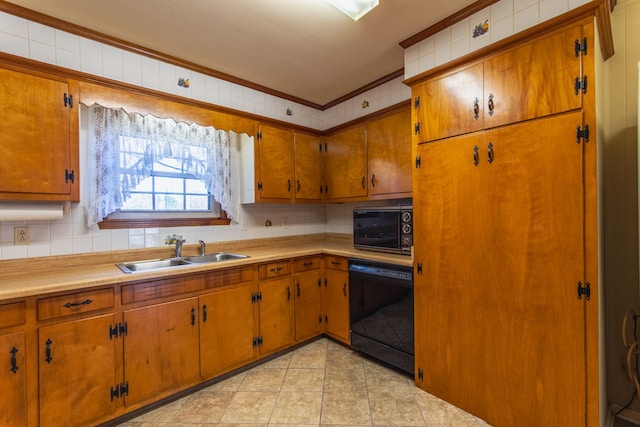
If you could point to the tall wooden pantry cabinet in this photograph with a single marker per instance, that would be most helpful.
(504, 195)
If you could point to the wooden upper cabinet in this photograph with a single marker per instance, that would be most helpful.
(275, 165)
(345, 165)
(38, 137)
(308, 168)
(389, 154)
(535, 79)
(449, 105)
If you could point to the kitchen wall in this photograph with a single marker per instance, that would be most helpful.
(620, 198)
(503, 19)
(69, 235)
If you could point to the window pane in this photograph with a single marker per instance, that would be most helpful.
(139, 202)
(198, 203)
(168, 165)
(169, 185)
(146, 185)
(169, 202)
(195, 186)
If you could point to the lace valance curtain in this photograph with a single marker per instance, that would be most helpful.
(113, 172)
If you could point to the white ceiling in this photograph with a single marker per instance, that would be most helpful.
(306, 49)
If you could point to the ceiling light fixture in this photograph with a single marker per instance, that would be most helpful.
(355, 9)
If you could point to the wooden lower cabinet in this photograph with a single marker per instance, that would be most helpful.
(336, 298)
(308, 299)
(276, 314)
(76, 362)
(161, 349)
(500, 330)
(227, 327)
(13, 382)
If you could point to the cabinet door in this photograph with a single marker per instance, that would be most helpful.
(77, 371)
(308, 168)
(449, 105)
(276, 314)
(161, 349)
(13, 405)
(346, 164)
(501, 258)
(308, 306)
(275, 146)
(389, 153)
(536, 79)
(35, 135)
(227, 329)
(337, 304)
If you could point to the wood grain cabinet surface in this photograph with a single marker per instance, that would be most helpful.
(504, 226)
(38, 136)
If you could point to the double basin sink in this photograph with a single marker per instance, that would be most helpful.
(131, 267)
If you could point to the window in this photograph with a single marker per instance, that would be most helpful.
(145, 171)
(170, 185)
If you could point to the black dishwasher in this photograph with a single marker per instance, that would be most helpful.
(381, 312)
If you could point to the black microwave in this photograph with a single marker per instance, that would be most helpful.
(384, 229)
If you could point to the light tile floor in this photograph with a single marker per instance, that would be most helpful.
(320, 384)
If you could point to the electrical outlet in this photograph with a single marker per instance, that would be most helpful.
(285, 222)
(21, 235)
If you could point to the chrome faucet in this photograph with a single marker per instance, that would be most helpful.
(178, 240)
(202, 249)
(179, 243)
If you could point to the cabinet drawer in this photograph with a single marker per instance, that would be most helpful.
(274, 269)
(337, 263)
(146, 291)
(232, 276)
(307, 263)
(14, 313)
(81, 302)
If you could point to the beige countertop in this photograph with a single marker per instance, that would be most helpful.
(28, 277)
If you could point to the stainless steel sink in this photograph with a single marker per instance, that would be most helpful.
(134, 266)
(217, 257)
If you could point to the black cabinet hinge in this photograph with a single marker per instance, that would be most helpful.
(118, 330)
(416, 129)
(256, 297)
(416, 102)
(580, 85)
(260, 186)
(68, 100)
(69, 176)
(257, 341)
(120, 390)
(418, 162)
(419, 268)
(582, 134)
(580, 46)
(259, 135)
(586, 291)
(320, 147)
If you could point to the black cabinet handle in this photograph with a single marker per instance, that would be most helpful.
(193, 316)
(298, 285)
(78, 304)
(373, 182)
(298, 186)
(476, 108)
(288, 293)
(335, 262)
(490, 104)
(308, 263)
(14, 360)
(363, 179)
(476, 156)
(288, 185)
(204, 313)
(344, 289)
(47, 351)
(490, 153)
